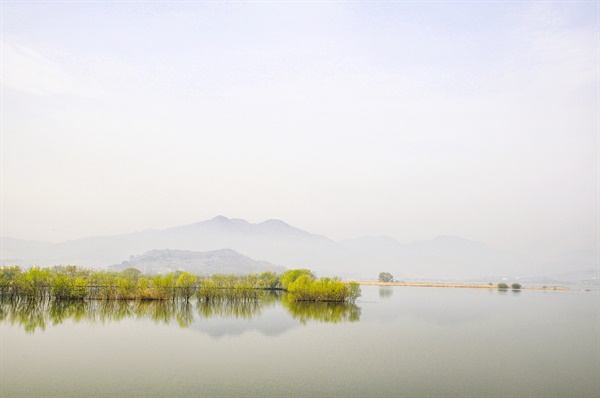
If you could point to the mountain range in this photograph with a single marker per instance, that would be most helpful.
(224, 261)
(273, 243)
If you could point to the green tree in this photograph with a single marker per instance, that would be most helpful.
(23, 285)
(143, 288)
(62, 287)
(80, 288)
(164, 287)
(385, 277)
(353, 291)
(125, 288)
(502, 286)
(269, 280)
(516, 286)
(40, 281)
(290, 276)
(107, 284)
(186, 284)
(131, 273)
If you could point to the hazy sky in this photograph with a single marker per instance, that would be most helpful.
(407, 119)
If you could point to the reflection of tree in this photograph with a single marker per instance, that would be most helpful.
(31, 315)
(385, 292)
(322, 311)
(59, 311)
(184, 314)
(159, 311)
(35, 315)
(229, 309)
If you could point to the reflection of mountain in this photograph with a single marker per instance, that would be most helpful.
(272, 321)
(224, 261)
(444, 257)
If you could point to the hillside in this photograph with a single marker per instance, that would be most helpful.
(224, 261)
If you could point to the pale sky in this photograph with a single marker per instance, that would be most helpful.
(404, 119)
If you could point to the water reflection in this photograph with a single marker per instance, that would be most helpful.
(37, 315)
(322, 312)
(385, 292)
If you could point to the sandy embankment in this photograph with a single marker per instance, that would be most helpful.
(458, 285)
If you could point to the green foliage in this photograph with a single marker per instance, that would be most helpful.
(516, 286)
(269, 280)
(7, 275)
(186, 284)
(79, 290)
(290, 276)
(386, 277)
(164, 287)
(107, 283)
(39, 279)
(353, 291)
(307, 288)
(502, 286)
(131, 273)
(228, 288)
(23, 285)
(61, 287)
(143, 289)
(74, 283)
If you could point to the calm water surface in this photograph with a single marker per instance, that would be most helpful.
(395, 342)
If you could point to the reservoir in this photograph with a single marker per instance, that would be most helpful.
(395, 342)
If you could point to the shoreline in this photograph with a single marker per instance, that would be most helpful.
(454, 285)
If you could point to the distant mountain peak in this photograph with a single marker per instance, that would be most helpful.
(222, 220)
(275, 221)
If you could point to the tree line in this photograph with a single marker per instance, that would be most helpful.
(76, 283)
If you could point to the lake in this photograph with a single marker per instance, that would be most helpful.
(396, 341)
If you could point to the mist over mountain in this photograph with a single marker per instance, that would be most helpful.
(224, 261)
(444, 257)
(282, 245)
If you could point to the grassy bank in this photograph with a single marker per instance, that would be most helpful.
(454, 285)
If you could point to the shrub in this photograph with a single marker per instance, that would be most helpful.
(502, 286)
(187, 285)
(269, 280)
(516, 286)
(288, 277)
(62, 287)
(305, 288)
(79, 290)
(385, 277)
